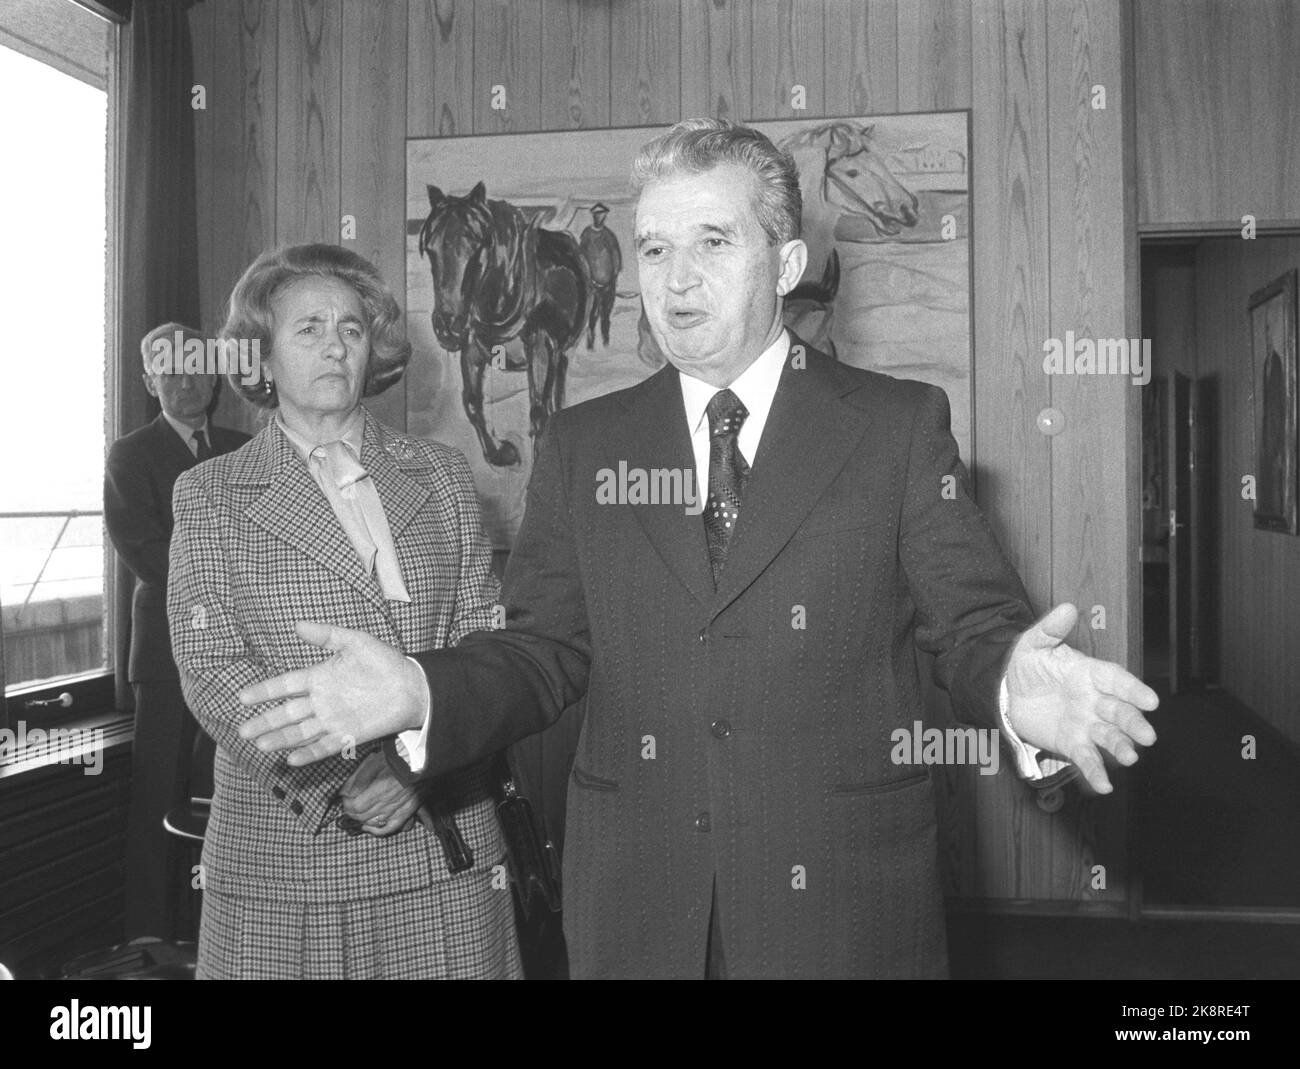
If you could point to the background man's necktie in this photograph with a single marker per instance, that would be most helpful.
(727, 473)
(204, 451)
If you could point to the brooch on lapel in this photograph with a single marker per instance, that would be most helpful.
(401, 450)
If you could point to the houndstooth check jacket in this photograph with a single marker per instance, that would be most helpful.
(256, 547)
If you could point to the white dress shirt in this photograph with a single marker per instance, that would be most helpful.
(187, 433)
(756, 388)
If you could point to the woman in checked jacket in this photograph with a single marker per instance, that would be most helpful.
(328, 515)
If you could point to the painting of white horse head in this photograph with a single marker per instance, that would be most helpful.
(519, 256)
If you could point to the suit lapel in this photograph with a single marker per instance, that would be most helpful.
(293, 509)
(657, 437)
(178, 457)
(809, 436)
(392, 463)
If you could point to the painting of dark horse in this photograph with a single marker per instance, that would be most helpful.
(500, 278)
(498, 273)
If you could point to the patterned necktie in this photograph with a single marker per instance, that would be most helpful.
(727, 474)
(204, 451)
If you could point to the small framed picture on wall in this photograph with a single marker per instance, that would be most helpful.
(1274, 369)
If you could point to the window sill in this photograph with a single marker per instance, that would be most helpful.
(86, 743)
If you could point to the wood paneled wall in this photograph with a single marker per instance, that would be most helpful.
(1259, 571)
(310, 100)
(1217, 106)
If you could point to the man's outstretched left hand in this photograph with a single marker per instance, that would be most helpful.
(1074, 705)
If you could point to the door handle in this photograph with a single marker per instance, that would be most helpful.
(64, 701)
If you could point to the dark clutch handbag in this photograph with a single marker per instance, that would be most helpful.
(531, 858)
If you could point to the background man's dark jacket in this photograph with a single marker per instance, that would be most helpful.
(139, 477)
(138, 480)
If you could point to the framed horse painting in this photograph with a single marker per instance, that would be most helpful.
(522, 294)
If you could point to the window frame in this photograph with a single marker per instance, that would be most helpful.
(93, 693)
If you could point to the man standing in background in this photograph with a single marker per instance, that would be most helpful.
(138, 480)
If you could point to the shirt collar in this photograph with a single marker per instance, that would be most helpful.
(353, 435)
(187, 432)
(756, 386)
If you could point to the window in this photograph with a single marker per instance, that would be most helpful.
(54, 568)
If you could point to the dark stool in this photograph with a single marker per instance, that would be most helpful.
(145, 958)
(187, 821)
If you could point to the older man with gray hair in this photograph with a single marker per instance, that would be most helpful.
(138, 479)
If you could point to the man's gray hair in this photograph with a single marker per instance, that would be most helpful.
(695, 146)
(168, 331)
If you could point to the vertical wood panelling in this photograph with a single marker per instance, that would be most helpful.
(1086, 230)
(646, 47)
(507, 55)
(1218, 104)
(1091, 279)
(220, 244)
(575, 64)
(1009, 169)
(257, 129)
(307, 149)
(373, 155)
(201, 19)
(997, 838)
(934, 54)
(787, 50)
(440, 68)
(245, 34)
(716, 75)
(861, 57)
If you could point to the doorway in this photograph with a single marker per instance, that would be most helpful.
(1218, 796)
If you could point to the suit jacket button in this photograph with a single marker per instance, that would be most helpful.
(296, 807)
(704, 634)
(702, 822)
(720, 728)
(279, 792)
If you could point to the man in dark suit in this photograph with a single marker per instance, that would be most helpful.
(736, 806)
(139, 476)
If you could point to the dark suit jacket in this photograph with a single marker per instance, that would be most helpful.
(771, 742)
(138, 481)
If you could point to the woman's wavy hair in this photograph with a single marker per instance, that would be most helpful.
(251, 314)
